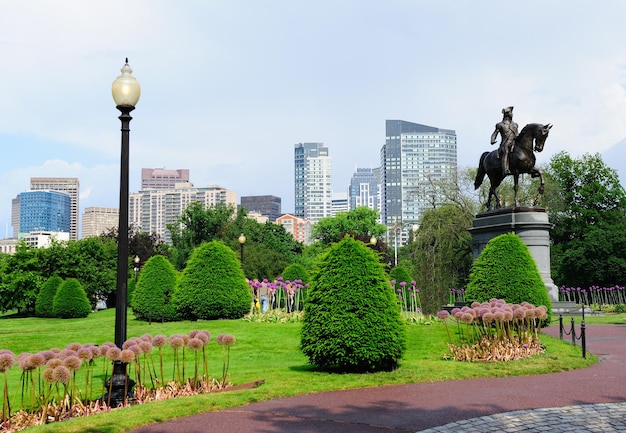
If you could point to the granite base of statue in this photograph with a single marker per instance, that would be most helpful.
(531, 224)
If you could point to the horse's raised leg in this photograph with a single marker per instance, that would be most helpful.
(535, 172)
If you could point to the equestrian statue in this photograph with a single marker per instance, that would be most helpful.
(515, 156)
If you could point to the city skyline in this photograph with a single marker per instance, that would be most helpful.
(229, 87)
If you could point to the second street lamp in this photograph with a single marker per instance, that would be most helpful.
(242, 240)
(126, 91)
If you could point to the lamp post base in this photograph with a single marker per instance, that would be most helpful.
(119, 387)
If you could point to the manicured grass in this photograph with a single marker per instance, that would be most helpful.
(268, 351)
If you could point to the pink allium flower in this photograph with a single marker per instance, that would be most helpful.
(443, 315)
(48, 354)
(74, 346)
(84, 354)
(48, 375)
(73, 363)
(113, 353)
(519, 313)
(508, 315)
(129, 343)
(146, 346)
(24, 361)
(205, 336)
(488, 317)
(147, 337)
(195, 344)
(467, 317)
(402, 283)
(455, 310)
(176, 342)
(54, 362)
(499, 315)
(127, 356)
(67, 352)
(7, 359)
(136, 348)
(193, 333)
(37, 360)
(159, 340)
(226, 339)
(61, 374)
(475, 304)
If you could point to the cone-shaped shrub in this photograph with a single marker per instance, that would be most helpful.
(45, 298)
(506, 270)
(212, 286)
(70, 300)
(399, 274)
(351, 320)
(153, 292)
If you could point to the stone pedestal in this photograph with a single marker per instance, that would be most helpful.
(530, 224)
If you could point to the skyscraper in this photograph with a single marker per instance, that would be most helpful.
(364, 189)
(65, 184)
(312, 181)
(98, 220)
(266, 205)
(414, 156)
(44, 211)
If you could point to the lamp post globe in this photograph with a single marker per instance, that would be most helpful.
(242, 240)
(126, 92)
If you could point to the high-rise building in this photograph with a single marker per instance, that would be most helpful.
(339, 204)
(300, 228)
(151, 210)
(266, 205)
(98, 220)
(65, 184)
(48, 211)
(160, 178)
(312, 181)
(364, 189)
(414, 156)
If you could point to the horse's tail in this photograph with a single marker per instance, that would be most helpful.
(480, 174)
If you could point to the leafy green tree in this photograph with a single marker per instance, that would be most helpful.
(506, 270)
(45, 299)
(588, 210)
(399, 274)
(152, 295)
(70, 301)
(212, 286)
(351, 320)
(440, 255)
(21, 280)
(294, 272)
(356, 222)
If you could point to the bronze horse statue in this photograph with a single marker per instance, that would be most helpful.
(521, 160)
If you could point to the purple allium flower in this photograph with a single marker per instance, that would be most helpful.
(48, 375)
(127, 356)
(136, 348)
(226, 339)
(193, 333)
(74, 346)
(48, 354)
(488, 317)
(443, 315)
(113, 353)
(176, 342)
(61, 374)
(73, 363)
(402, 283)
(7, 359)
(24, 361)
(393, 281)
(146, 337)
(195, 344)
(499, 315)
(54, 363)
(85, 354)
(467, 317)
(146, 346)
(37, 360)
(205, 336)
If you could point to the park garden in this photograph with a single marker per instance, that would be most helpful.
(341, 307)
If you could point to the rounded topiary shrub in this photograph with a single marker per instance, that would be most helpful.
(506, 270)
(45, 298)
(296, 271)
(399, 274)
(212, 286)
(351, 321)
(70, 300)
(151, 299)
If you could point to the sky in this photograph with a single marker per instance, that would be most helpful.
(228, 87)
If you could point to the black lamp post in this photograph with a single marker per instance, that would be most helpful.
(242, 240)
(126, 91)
(136, 268)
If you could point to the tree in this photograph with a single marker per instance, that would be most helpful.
(440, 255)
(21, 280)
(70, 301)
(588, 210)
(506, 270)
(351, 320)
(153, 293)
(359, 222)
(212, 286)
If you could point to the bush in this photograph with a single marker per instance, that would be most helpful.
(351, 321)
(151, 299)
(506, 270)
(296, 271)
(400, 274)
(70, 301)
(45, 298)
(212, 286)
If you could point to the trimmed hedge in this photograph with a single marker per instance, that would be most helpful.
(45, 298)
(400, 274)
(351, 321)
(296, 271)
(151, 298)
(506, 270)
(212, 286)
(70, 301)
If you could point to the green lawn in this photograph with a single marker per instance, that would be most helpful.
(268, 351)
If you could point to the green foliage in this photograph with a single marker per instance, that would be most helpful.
(153, 292)
(351, 321)
(45, 299)
(505, 270)
(400, 274)
(70, 300)
(21, 280)
(588, 210)
(441, 255)
(295, 272)
(359, 222)
(212, 285)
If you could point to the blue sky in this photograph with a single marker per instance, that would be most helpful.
(228, 87)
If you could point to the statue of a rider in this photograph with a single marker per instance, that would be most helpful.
(508, 131)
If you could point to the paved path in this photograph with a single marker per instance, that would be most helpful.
(585, 400)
